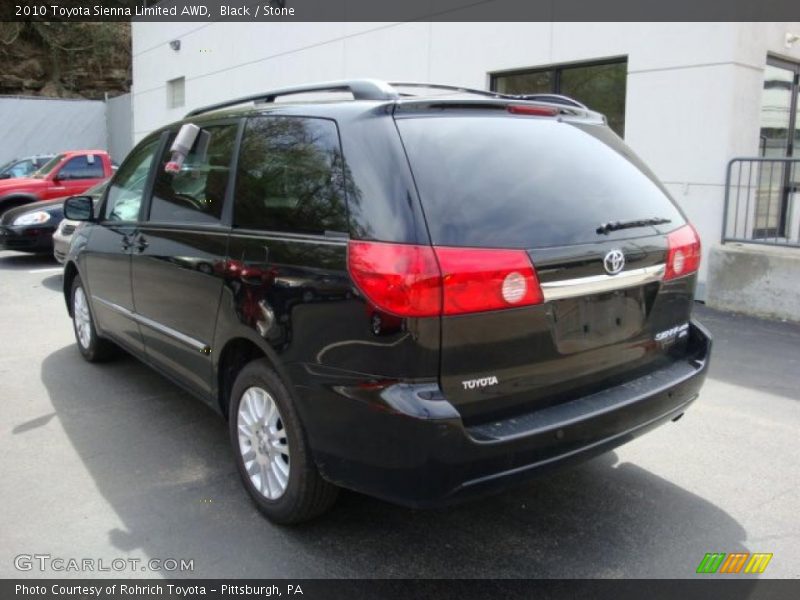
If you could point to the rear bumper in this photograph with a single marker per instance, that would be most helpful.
(413, 449)
(27, 239)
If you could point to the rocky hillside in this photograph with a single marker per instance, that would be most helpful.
(65, 60)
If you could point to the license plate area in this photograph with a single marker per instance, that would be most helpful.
(598, 320)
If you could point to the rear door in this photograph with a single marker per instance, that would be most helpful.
(488, 179)
(178, 253)
(288, 249)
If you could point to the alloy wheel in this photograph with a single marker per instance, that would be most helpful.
(263, 443)
(82, 318)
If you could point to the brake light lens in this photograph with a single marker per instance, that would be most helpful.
(478, 279)
(537, 111)
(683, 252)
(401, 279)
(422, 281)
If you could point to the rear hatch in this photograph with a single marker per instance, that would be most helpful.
(597, 227)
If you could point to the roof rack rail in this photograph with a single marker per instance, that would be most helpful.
(374, 89)
(552, 98)
(362, 89)
(440, 86)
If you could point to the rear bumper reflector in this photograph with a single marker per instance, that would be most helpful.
(598, 284)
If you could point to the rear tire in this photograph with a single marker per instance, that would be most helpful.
(92, 347)
(271, 449)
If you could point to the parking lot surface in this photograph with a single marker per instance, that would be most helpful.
(113, 461)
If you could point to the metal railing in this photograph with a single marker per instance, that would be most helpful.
(762, 201)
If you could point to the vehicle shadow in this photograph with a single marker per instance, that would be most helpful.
(17, 261)
(53, 283)
(162, 461)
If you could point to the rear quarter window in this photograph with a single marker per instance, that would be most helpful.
(522, 182)
(290, 176)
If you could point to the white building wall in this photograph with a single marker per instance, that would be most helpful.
(37, 125)
(693, 89)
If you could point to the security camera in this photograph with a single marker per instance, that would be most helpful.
(175, 45)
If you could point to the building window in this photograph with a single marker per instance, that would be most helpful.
(176, 92)
(779, 137)
(598, 85)
(780, 111)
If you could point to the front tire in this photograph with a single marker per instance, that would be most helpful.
(271, 449)
(92, 347)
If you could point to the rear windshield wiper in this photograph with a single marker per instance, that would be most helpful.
(606, 228)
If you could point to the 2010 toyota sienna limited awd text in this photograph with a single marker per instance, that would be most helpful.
(421, 293)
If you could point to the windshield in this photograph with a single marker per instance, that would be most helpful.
(518, 182)
(8, 165)
(48, 166)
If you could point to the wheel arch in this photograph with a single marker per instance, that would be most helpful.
(235, 353)
(15, 200)
(70, 273)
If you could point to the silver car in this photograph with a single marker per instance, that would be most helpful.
(63, 234)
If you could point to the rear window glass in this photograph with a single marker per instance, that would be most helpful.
(82, 167)
(509, 182)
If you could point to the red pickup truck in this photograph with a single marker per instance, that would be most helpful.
(67, 174)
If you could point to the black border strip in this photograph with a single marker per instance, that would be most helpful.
(705, 588)
(400, 10)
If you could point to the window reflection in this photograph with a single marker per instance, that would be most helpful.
(127, 188)
(291, 176)
(196, 193)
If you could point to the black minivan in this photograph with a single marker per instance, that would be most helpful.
(419, 292)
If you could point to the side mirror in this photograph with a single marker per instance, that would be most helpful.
(79, 208)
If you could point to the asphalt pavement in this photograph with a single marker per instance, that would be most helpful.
(113, 461)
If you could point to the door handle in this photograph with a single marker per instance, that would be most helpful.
(125, 243)
(141, 244)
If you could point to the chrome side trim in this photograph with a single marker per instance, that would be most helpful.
(598, 284)
(142, 320)
(120, 309)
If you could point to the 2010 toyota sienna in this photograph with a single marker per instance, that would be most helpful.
(421, 292)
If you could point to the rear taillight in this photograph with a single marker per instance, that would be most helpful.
(422, 281)
(683, 252)
(477, 279)
(400, 279)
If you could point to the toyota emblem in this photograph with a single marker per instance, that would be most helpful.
(614, 262)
